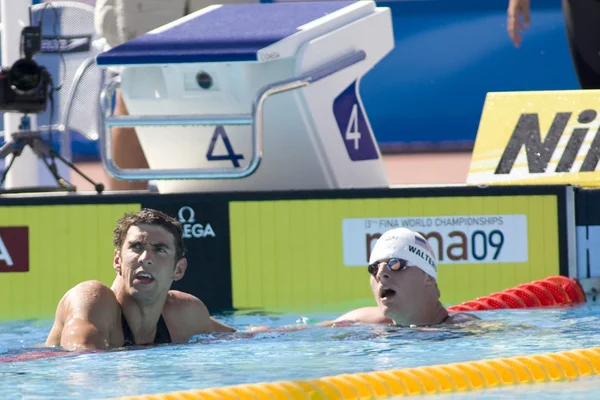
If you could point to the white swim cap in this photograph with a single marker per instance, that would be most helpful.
(408, 245)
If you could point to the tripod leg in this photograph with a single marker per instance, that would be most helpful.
(60, 180)
(97, 186)
(12, 160)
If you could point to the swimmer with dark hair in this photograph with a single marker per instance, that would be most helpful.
(139, 308)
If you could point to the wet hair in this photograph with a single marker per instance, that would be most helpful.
(149, 216)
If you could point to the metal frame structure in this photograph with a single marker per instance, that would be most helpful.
(255, 119)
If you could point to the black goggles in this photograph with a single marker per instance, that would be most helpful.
(393, 264)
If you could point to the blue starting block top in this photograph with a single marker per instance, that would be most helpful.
(233, 32)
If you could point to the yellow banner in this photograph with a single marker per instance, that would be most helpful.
(311, 255)
(549, 137)
(67, 244)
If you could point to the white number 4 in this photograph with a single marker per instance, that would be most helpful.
(352, 132)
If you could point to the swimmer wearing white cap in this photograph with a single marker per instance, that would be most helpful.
(403, 274)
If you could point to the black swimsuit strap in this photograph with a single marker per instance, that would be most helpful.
(162, 332)
(128, 339)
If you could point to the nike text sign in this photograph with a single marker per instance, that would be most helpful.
(550, 137)
(470, 239)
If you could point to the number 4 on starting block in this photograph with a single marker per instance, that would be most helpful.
(353, 125)
(231, 155)
(352, 132)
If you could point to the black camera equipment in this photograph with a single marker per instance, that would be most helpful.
(25, 88)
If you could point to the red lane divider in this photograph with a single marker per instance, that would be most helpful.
(552, 291)
(36, 355)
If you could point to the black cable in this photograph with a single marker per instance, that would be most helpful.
(55, 28)
(51, 99)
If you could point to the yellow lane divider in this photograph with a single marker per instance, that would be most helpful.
(455, 377)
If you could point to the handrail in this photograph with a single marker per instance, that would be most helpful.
(81, 70)
(255, 119)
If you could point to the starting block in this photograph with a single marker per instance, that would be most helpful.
(264, 92)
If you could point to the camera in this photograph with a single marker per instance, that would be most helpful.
(24, 85)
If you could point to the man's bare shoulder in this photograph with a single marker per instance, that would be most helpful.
(89, 295)
(184, 307)
(182, 296)
(365, 315)
(181, 302)
(91, 286)
(88, 308)
(462, 318)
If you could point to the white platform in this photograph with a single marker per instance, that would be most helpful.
(315, 137)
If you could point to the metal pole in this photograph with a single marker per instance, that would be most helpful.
(15, 15)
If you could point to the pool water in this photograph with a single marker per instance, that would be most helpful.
(229, 359)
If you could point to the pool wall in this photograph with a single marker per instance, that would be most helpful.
(291, 251)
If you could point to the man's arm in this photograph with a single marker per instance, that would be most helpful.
(365, 315)
(518, 19)
(219, 326)
(53, 338)
(84, 318)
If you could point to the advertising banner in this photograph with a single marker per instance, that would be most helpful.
(45, 250)
(205, 227)
(532, 138)
(313, 254)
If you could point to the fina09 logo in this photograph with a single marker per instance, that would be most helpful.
(14, 249)
(454, 239)
(191, 229)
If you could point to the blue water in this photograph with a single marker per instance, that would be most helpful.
(228, 359)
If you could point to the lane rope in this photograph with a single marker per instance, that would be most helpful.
(553, 291)
(436, 379)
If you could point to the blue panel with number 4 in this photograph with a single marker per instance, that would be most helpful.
(353, 126)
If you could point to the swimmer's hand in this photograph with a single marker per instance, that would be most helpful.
(514, 24)
(258, 329)
(285, 328)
